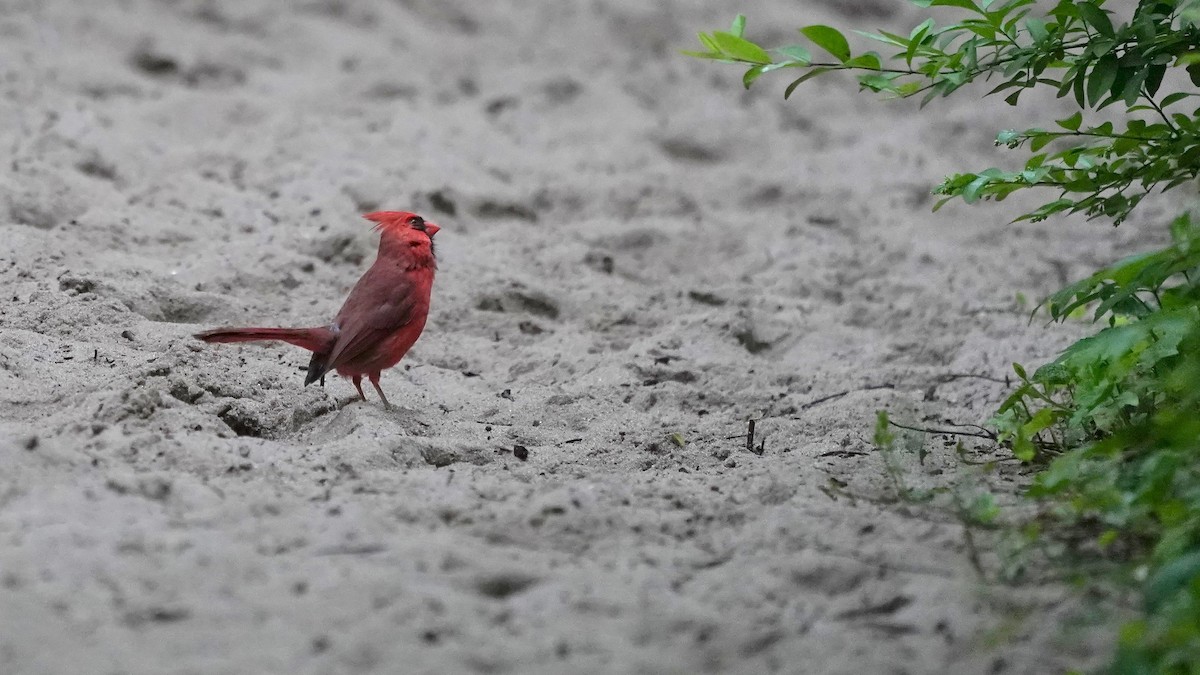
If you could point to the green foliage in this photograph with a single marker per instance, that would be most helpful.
(1140, 485)
(1119, 413)
(885, 442)
(1124, 375)
(1077, 49)
(884, 438)
(1117, 377)
(1113, 424)
(982, 510)
(1140, 285)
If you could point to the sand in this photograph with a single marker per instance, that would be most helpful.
(637, 257)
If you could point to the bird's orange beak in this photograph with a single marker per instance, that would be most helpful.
(431, 229)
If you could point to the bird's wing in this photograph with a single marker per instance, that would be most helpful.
(383, 301)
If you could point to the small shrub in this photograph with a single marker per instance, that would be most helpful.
(1114, 421)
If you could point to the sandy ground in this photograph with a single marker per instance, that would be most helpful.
(632, 248)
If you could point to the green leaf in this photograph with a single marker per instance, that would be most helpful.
(879, 82)
(738, 28)
(886, 38)
(1133, 87)
(1096, 18)
(970, 194)
(1124, 75)
(754, 72)
(983, 509)
(1187, 59)
(829, 39)
(705, 55)
(1173, 98)
(1052, 374)
(884, 438)
(1041, 420)
(1101, 79)
(1154, 78)
(740, 49)
(1068, 80)
(940, 203)
(1071, 123)
(1018, 82)
(980, 28)
(964, 4)
(1037, 30)
(916, 38)
(1040, 142)
(1078, 89)
(796, 53)
(1145, 29)
(1023, 448)
(1172, 579)
(1193, 72)
(787, 93)
(1122, 146)
(870, 60)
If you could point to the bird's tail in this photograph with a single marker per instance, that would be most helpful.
(316, 340)
(319, 341)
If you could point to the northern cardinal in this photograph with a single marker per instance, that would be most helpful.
(380, 320)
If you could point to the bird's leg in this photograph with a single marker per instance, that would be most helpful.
(357, 380)
(374, 377)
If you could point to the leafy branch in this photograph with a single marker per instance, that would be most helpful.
(1075, 48)
(1114, 421)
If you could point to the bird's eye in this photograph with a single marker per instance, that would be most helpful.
(417, 223)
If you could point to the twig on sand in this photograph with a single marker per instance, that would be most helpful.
(949, 377)
(823, 399)
(973, 551)
(940, 379)
(749, 436)
(950, 432)
(970, 426)
(931, 389)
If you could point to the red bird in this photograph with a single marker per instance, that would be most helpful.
(381, 319)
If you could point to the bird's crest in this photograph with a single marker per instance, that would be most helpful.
(384, 219)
